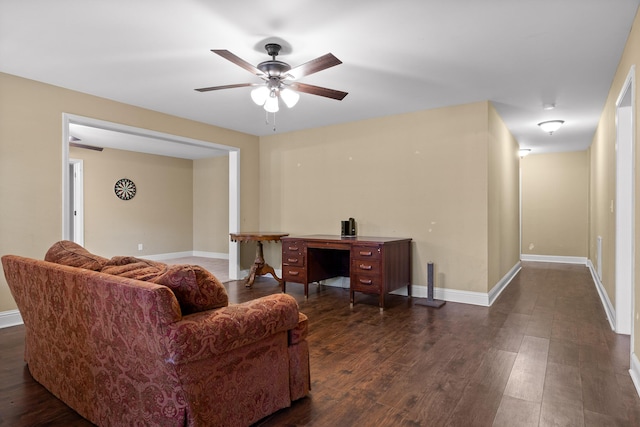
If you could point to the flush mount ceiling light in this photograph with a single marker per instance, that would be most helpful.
(279, 79)
(551, 125)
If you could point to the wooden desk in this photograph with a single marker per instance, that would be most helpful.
(259, 267)
(374, 265)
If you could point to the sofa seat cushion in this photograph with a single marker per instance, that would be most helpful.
(72, 254)
(195, 288)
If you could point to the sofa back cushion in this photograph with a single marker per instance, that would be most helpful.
(72, 254)
(195, 288)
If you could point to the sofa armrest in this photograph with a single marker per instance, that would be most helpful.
(202, 335)
(300, 332)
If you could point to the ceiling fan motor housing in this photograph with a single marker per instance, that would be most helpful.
(274, 68)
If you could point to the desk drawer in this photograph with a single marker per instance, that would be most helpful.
(294, 274)
(292, 246)
(292, 258)
(366, 283)
(366, 252)
(365, 266)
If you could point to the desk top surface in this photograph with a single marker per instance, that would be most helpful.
(347, 239)
(256, 236)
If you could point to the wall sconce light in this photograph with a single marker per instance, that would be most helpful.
(551, 125)
(523, 152)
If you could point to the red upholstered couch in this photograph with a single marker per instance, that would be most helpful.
(121, 351)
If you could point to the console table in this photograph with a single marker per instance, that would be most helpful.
(374, 265)
(259, 267)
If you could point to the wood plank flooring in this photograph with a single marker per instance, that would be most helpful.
(542, 355)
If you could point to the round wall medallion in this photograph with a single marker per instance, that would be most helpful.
(125, 189)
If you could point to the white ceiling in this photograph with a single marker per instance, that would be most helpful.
(398, 57)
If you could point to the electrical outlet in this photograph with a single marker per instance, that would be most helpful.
(140, 246)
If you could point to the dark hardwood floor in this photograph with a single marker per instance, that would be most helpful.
(542, 355)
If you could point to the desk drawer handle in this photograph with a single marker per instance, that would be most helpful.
(294, 273)
(293, 248)
(292, 259)
(365, 267)
(367, 253)
(366, 282)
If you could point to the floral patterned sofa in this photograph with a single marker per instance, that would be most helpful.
(167, 350)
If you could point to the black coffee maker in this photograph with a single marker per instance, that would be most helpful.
(348, 228)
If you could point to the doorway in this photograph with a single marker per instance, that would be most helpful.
(625, 199)
(169, 142)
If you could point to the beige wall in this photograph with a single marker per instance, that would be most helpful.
(181, 205)
(437, 176)
(211, 205)
(555, 204)
(602, 153)
(160, 216)
(422, 175)
(503, 199)
(31, 160)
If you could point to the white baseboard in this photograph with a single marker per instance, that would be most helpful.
(421, 291)
(452, 295)
(502, 284)
(171, 255)
(554, 258)
(10, 318)
(609, 310)
(216, 255)
(465, 297)
(634, 371)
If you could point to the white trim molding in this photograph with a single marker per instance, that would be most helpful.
(465, 297)
(495, 292)
(634, 371)
(444, 294)
(171, 255)
(554, 258)
(609, 310)
(10, 318)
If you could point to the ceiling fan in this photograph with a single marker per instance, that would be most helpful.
(279, 78)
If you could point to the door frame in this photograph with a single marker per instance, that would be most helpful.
(234, 174)
(76, 200)
(625, 202)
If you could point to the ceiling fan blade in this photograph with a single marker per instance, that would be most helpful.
(88, 147)
(207, 89)
(315, 65)
(238, 61)
(320, 91)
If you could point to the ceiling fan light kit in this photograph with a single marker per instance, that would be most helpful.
(279, 79)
